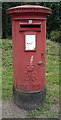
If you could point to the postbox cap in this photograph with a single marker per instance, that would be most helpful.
(29, 9)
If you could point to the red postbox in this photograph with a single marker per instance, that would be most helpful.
(29, 53)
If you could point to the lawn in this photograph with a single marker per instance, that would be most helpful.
(51, 107)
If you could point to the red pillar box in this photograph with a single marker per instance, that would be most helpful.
(29, 53)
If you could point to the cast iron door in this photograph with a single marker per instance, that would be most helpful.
(29, 70)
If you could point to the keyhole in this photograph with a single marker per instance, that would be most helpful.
(42, 55)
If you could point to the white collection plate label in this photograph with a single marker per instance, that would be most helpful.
(30, 42)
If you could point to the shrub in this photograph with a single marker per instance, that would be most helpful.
(55, 36)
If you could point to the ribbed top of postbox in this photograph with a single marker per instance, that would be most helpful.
(29, 9)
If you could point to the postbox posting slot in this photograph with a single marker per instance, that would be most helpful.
(30, 27)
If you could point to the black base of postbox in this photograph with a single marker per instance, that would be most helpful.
(29, 101)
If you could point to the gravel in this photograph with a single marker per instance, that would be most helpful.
(10, 110)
